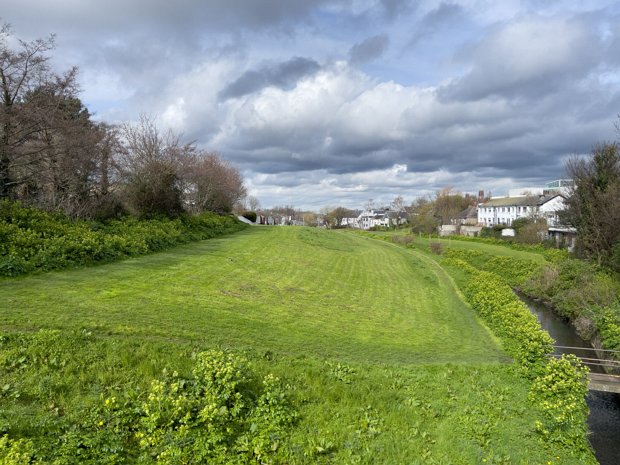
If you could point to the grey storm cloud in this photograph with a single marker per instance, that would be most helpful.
(445, 14)
(281, 75)
(393, 8)
(529, 59)
(464, 93)
(182, 16)
(369, 49)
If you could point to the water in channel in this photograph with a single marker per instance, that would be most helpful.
(604, 419)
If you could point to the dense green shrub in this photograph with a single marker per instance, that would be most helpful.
(559, 386)
(17, 452)
(609, 327)
(560, 394)
(508, 317)
(250, 216)
(573, 287)
(32, 240)
(220, 415)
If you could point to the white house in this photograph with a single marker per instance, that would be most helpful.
(504, 210)
(352, 220)
(380, 218)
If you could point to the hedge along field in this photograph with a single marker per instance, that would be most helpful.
(559, 386)
(33, 240)
(312, 346)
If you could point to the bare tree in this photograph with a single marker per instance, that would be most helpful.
(310, 218)
(398, 204)
(423, 216)
(336, 215)
(32, 98)
(151, 164)
(213, 184)
(253, 204)
(449, 203)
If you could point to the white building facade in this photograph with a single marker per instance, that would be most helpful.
(505, 210)
(380, 218)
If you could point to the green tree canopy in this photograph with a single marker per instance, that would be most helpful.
(593, 208)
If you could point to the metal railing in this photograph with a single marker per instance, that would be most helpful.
(592, 361)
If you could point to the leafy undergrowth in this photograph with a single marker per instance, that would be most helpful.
(34, 240)
(76, 397)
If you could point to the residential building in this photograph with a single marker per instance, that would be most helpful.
(380, 218)
(352, 220)
(504, 210)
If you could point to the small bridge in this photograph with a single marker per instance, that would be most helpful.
(599, 380)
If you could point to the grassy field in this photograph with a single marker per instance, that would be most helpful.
(377, 354)
(423, 241)
(285, 290)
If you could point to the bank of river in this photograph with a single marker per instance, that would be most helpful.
(604, 419)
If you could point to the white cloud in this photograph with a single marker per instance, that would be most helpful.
(527, 83)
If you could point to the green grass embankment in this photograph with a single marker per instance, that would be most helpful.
(378, 359)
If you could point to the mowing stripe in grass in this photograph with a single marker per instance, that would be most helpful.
(292, 290)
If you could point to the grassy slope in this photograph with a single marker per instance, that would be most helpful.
(285, 290)
(491, 249)
(384, 362)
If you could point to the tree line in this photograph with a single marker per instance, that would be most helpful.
(593, 206)
(54, 156)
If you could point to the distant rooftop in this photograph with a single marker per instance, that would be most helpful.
(532, 200)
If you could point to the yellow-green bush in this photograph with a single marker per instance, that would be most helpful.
(32, 240)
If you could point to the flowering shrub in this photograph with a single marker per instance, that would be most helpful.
(223, 413)
(560, 393)
(214, 417)
(510, 319)
(559, 386)
(16, 452)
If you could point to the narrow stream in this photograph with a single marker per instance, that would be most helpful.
(604, 419)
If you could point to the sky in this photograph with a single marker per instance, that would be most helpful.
(336, 103)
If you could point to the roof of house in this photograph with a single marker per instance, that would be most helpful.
(469, 212)
(528, 201)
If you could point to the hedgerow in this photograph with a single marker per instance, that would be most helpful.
(508, 317)
(558, 386)
(33, 240)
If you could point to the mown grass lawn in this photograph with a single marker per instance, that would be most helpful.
(423, 241)
(380, 358)
(281, 289)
